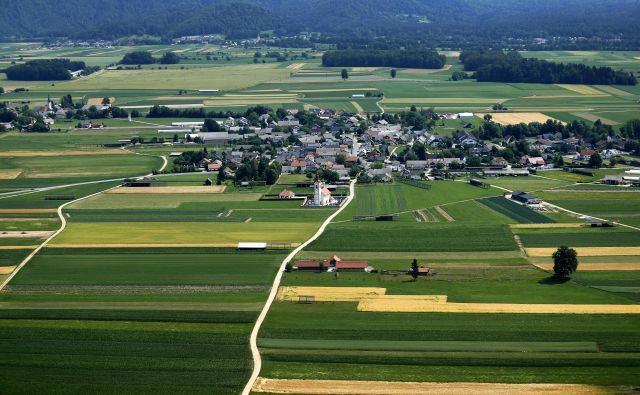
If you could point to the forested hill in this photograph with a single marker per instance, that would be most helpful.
(438, 22)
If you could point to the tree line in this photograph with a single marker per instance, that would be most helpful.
(419, 58)
(498, 66)
(44, 70)
(145, 57)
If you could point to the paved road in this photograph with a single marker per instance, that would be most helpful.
(41, 246)
(257, 360)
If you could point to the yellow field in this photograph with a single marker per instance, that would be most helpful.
(514, 118)
(363, 69)
(606, 266)
(220, 77)
(185, 189)
(345, 387)
(582, 53)
(187, 233)
(329, 294)
(587, 251)
(421, 306)
(581, 89)
(358, 107)
(444, 214)
(7, 269)
(96, 101)
(150, 245)
(17, 247)
(20, 154)
(27, 210)
(10, 174)
(296, 66)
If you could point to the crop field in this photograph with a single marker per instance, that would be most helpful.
(514, 118)
(517, 212)
(148, 294)
(296, 84)
(617, 206)
(494, 298)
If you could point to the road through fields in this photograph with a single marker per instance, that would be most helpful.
(257, 360)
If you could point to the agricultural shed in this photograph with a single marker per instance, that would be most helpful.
(351, 266)
(524, 197)
(308, 265)
(252, 246)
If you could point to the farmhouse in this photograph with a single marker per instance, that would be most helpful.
(333, 263)
(524, 197)
(286, 194)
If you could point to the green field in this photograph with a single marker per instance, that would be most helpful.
(177, 319)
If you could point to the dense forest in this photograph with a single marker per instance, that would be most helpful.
(497, 66)
(540, 24)
(423, 58)
(44, 70)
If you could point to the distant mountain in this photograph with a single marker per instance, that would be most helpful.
(440, 22)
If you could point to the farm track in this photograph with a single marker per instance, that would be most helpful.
(63, 220)
(344, 387)
(257, 359)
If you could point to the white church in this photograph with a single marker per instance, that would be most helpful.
(322, 195)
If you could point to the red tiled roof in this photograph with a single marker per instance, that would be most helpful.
(286, 192)
(352, 265)
(307, 264)
(587, 152)
(214, 166)
(298, 163)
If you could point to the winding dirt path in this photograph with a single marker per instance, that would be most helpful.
(257, 360)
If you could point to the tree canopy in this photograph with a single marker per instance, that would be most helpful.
(138, 57)
(44, 70)
(565, 261)
(498, 66)
(420, 58)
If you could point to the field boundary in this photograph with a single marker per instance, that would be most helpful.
(353, 387)
(63, 225)
(257, 359)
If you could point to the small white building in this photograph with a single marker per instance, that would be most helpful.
(322, 195)
(465, 115)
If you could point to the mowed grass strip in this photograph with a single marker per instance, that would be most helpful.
(170, 190)
(204, 233)
(422, 345)
(148, 269)
(412, 236)
(587, 251)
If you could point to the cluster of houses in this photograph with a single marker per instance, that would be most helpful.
(333, 264)
(341, 140)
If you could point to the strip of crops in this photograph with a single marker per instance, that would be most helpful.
(517, 212)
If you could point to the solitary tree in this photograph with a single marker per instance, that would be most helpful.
(488, 117)
(595, 160)
(106, 101)
(565, 261)
(393, 73)
(415, 270)
(321, 267)
(345, 74)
